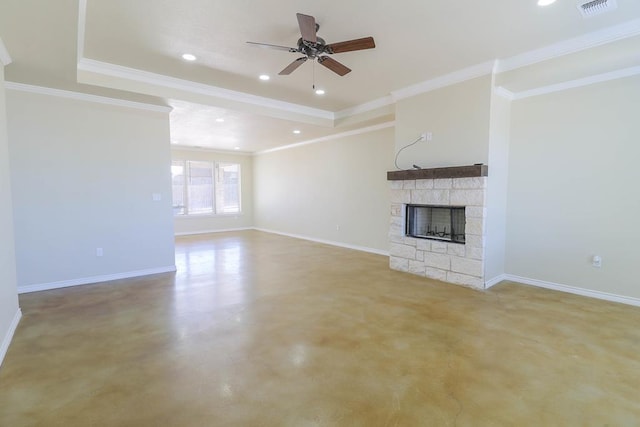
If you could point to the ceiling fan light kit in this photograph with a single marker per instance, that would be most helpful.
(315, 48)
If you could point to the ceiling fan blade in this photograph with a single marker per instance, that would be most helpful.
(334, 65)
(307, 27)
(351, 45)
(293, 66)
(273, 46)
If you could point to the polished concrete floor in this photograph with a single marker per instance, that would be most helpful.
(263, 330)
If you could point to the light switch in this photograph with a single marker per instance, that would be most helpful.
(157, 197)
(596, 261)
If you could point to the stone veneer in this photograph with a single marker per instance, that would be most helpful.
(462, 264)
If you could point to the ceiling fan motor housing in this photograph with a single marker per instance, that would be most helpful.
(310, 49)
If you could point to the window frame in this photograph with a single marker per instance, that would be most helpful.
(185, 164)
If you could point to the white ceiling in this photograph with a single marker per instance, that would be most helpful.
(131, 50)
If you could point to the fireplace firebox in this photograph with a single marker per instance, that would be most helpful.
(444, 223)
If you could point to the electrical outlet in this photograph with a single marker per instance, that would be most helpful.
(426, 136)
(99, 252)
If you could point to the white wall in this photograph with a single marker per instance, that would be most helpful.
(496, 205)
(9, 312)
(82, 177)
(457, 116)
(211, 223)
(335, 191)
(573, 187)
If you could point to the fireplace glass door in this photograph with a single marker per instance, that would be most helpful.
(436, 222)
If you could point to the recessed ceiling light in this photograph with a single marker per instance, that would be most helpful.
(189, 57)
(545, 2)
(319, 91)
(174, 141)
(297, 131)
(219, 120)
(264, 77)
(236, 148)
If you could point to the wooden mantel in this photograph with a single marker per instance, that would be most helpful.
(439, 173)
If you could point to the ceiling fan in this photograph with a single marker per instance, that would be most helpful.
(315, 48)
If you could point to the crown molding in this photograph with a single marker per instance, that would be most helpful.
(573, 45)
(21, 87)
(364, 108)
(330, 137)
(82, 25)
(98, 67)
(455, 77)
(5, 58)
(147, 77)
(576, 44)
(178, 147)
(571, 84)
(112, 70)
(504, 93)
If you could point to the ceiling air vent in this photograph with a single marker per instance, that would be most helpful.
(596, 7)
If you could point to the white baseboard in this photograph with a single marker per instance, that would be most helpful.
(574, 290)
(93, 279)
(326, 242)
(9, 335)
(224, 230)
(492, 282)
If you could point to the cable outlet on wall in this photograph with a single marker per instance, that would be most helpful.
(596, 261)
(99, 252)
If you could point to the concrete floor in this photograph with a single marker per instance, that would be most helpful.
(263, 330)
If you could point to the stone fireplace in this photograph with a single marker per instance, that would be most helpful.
(426, 253)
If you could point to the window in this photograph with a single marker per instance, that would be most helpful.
(227, 188)
(205, 188)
